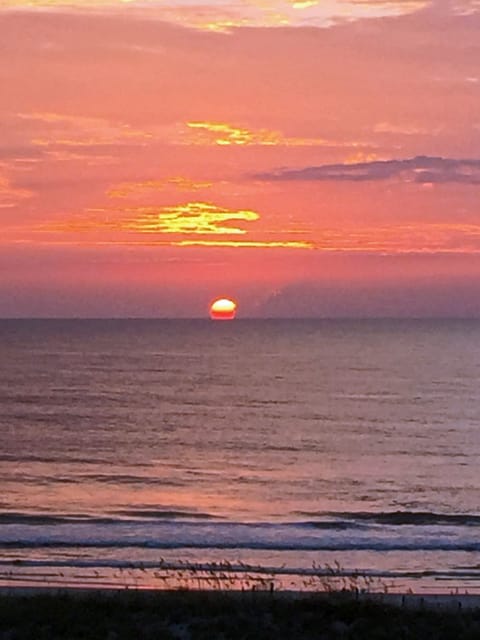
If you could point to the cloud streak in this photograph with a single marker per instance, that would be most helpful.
(184, 221)
(420, 169)
(411, 239)
(10, 195)
(197, 218)
(225, 134)
(223, 16)
(78, 131)
(138, 189)
(192, 218)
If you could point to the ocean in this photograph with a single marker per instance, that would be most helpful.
(295, 453)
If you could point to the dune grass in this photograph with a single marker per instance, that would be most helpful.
(190, 615)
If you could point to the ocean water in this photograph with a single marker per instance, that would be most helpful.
(138, 453)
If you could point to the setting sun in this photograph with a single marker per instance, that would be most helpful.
(223, 309)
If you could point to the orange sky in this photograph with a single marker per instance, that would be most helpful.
(308, 158)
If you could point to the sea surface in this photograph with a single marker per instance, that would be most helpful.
(303, 453)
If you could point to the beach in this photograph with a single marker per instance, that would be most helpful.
(37, 614)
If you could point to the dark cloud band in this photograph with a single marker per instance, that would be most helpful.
(421, 169)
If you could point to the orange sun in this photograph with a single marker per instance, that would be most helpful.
(223, 309)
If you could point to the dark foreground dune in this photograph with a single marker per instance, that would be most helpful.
(210, 615)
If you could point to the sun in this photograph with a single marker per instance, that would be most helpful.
(223, 309)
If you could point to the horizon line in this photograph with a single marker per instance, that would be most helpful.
(206, 318)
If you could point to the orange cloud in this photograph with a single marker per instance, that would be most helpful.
(219, 224)
(304, 4)
(9, 195)
(191, 218)
(397, 239)
(79, 131)
(405, 129)
(255, 244)
(126, 189)
(225, 134)
(223, 17)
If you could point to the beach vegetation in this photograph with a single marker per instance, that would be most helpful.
(208, 615)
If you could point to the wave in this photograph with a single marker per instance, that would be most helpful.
(165, 514)
(328, 524)
(251, 545)
(51, 519)
(127, 479)
(176, 528)
(339, 522)
(122, 516)
(335, 520)
(22, 457)
(400, 517)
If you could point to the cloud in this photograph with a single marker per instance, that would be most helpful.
(62, 130)
(223, 16)
(225, 134)
(205, 230)
(191, 218)
(184, 222)
(10, 195)
(203, 224)
(418, 238)
(421, 169)
(248, 244)
(57, 133)
(137, 189)
(404, 129)
(197, 218)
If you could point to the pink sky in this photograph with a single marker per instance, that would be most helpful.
(305, 158)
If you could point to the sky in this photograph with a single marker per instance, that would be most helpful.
(306, 158)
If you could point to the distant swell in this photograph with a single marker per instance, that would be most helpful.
(117, 517)
(165, 514)
(402, 517)
(146, 527)
(128, 479)
(326, 520)
(51, 519)
(330, 545)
